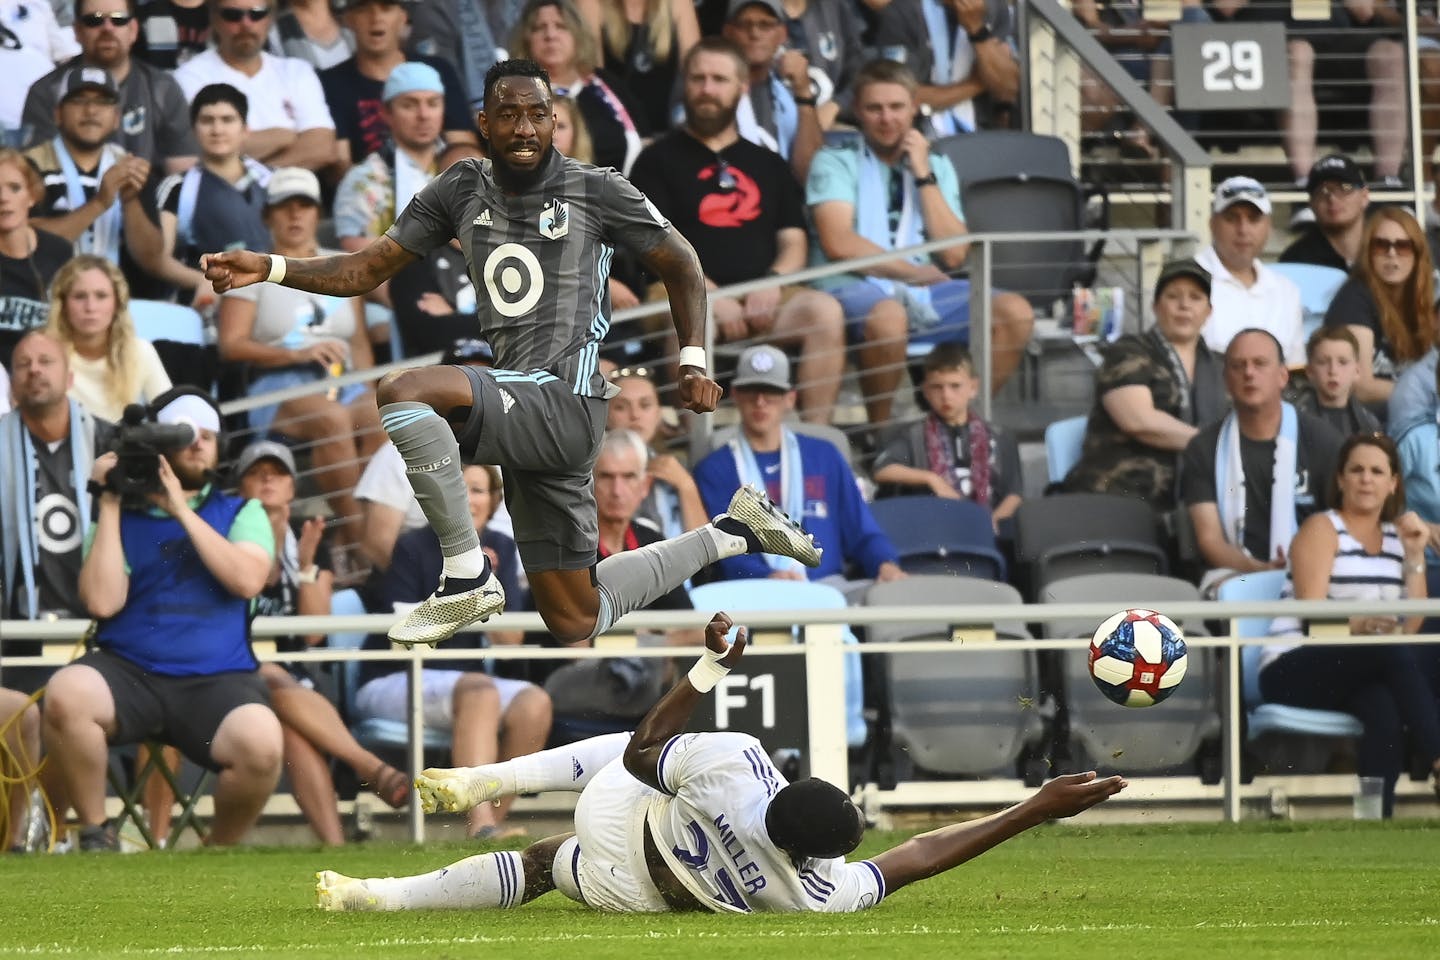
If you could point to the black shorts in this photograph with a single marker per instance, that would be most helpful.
(545, 438)
(183, 712)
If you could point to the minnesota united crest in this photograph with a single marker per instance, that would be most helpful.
(555, 219)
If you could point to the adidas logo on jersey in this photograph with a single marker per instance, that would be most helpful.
(506, 401)
(485, 220)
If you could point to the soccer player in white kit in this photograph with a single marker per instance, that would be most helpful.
(669, 820)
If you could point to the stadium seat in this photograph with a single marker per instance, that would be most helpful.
(158, 320)
(1111, 736)
(1063, 442)
(960, 713)
(1076, 533)
(1317, 288)
(737, 596)
(935, 535)
(1261, 717)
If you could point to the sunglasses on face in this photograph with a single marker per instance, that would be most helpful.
(1403, 246)
(235, 14)
(1330, 191)
(97, 20)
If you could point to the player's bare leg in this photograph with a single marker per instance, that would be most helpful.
(495, 881)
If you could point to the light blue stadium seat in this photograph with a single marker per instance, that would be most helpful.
(1063, 441)
(158, 320)
(1317, 288)
(740, 595)
(374, 733)
(1264, 717)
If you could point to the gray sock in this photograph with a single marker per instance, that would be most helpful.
(432, 465)
(636, 578)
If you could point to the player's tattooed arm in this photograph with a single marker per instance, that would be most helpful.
(674, 261)
(343, 275)
(668, 718)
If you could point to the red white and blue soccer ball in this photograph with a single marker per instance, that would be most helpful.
(1137, 658)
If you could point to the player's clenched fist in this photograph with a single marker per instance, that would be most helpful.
(234, 269)
(698, 393)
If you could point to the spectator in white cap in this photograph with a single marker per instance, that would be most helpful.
(290, 338)
(359, 89)
(1244, 294)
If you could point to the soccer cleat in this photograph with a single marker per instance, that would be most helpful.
(338, 893)
(768, 529)
(457, 603)
(457, 789)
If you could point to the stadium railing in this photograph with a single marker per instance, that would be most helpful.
(823, 651)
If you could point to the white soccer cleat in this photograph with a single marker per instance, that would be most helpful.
(338, 893)
(457, 603)
(457, 789)
(772, 528)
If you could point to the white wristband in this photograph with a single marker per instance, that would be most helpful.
(707, 672)
(277, 268)
(693, 357)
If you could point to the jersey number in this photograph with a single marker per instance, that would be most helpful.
(513, 278)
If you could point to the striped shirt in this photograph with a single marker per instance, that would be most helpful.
(1356, 574)
(540, 260)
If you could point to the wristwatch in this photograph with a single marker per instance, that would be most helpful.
(308, 575)
(927, 180)
(980, 36)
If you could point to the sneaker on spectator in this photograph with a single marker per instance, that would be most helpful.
(98, 839)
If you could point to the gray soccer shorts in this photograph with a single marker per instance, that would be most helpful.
(545, 439)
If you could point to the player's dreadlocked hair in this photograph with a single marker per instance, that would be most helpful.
(515, 68)
(813, 818)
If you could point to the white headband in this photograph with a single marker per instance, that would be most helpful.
(188, 408)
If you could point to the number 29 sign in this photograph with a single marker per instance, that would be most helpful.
(1230, 66)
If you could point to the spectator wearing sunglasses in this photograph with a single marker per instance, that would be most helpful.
(740, 206)
(1387, 301)
(290, 125)
(153, 110)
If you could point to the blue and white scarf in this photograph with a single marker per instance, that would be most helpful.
(1230, 483)
(785, 113)
(102, 238)
(952, 60)
(20, 547)
(872, 221)
(792, 483)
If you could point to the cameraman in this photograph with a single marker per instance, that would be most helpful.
(170, 579)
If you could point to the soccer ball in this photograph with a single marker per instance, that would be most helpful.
(1137, 658)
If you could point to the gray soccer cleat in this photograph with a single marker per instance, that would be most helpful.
(770, 529)
(457, 603)
(456, 789)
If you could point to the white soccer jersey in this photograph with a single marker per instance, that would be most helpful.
(710, 827)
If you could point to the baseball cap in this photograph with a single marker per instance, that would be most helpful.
(764, 366)
(289, 182)
(81, 79)
(1241, 190)
(1334, 167)
(265, 450)
(469, 350)
(411, 77)
(735, 6)
(1174, 269)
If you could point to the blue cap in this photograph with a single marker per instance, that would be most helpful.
(411, 77)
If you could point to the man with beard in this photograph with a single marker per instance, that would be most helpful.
(1338, 201)
(538, 231)
(740, 206)
(93, 187)
(290, 125)
(152, 108)
(170, 582)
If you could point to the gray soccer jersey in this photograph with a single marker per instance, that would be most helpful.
(540, 261)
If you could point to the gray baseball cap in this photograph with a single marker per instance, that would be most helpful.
(735, 6)
(265, 450)
(765, 367)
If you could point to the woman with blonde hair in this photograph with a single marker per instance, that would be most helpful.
(90, 315)
(572, 137)
(554, 35)
(28, 257)
(1387, 301)
(644, 43)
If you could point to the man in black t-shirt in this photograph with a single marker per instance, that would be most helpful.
(1339, 199)
(740, 207)
(1234, 527)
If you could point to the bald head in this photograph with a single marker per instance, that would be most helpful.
(39, 374)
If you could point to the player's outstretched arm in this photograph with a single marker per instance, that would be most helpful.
(674, 261)
(341, 275)
(927, 854)
(668, 718)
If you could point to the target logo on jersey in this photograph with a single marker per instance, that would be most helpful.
(1137, 658)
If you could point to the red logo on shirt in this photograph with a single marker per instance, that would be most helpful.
(729, 208)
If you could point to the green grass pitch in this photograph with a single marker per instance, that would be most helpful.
(1313, 890)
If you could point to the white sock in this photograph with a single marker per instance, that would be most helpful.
(569, 767)
(469, 565)
(493, 881)
(726, 544)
